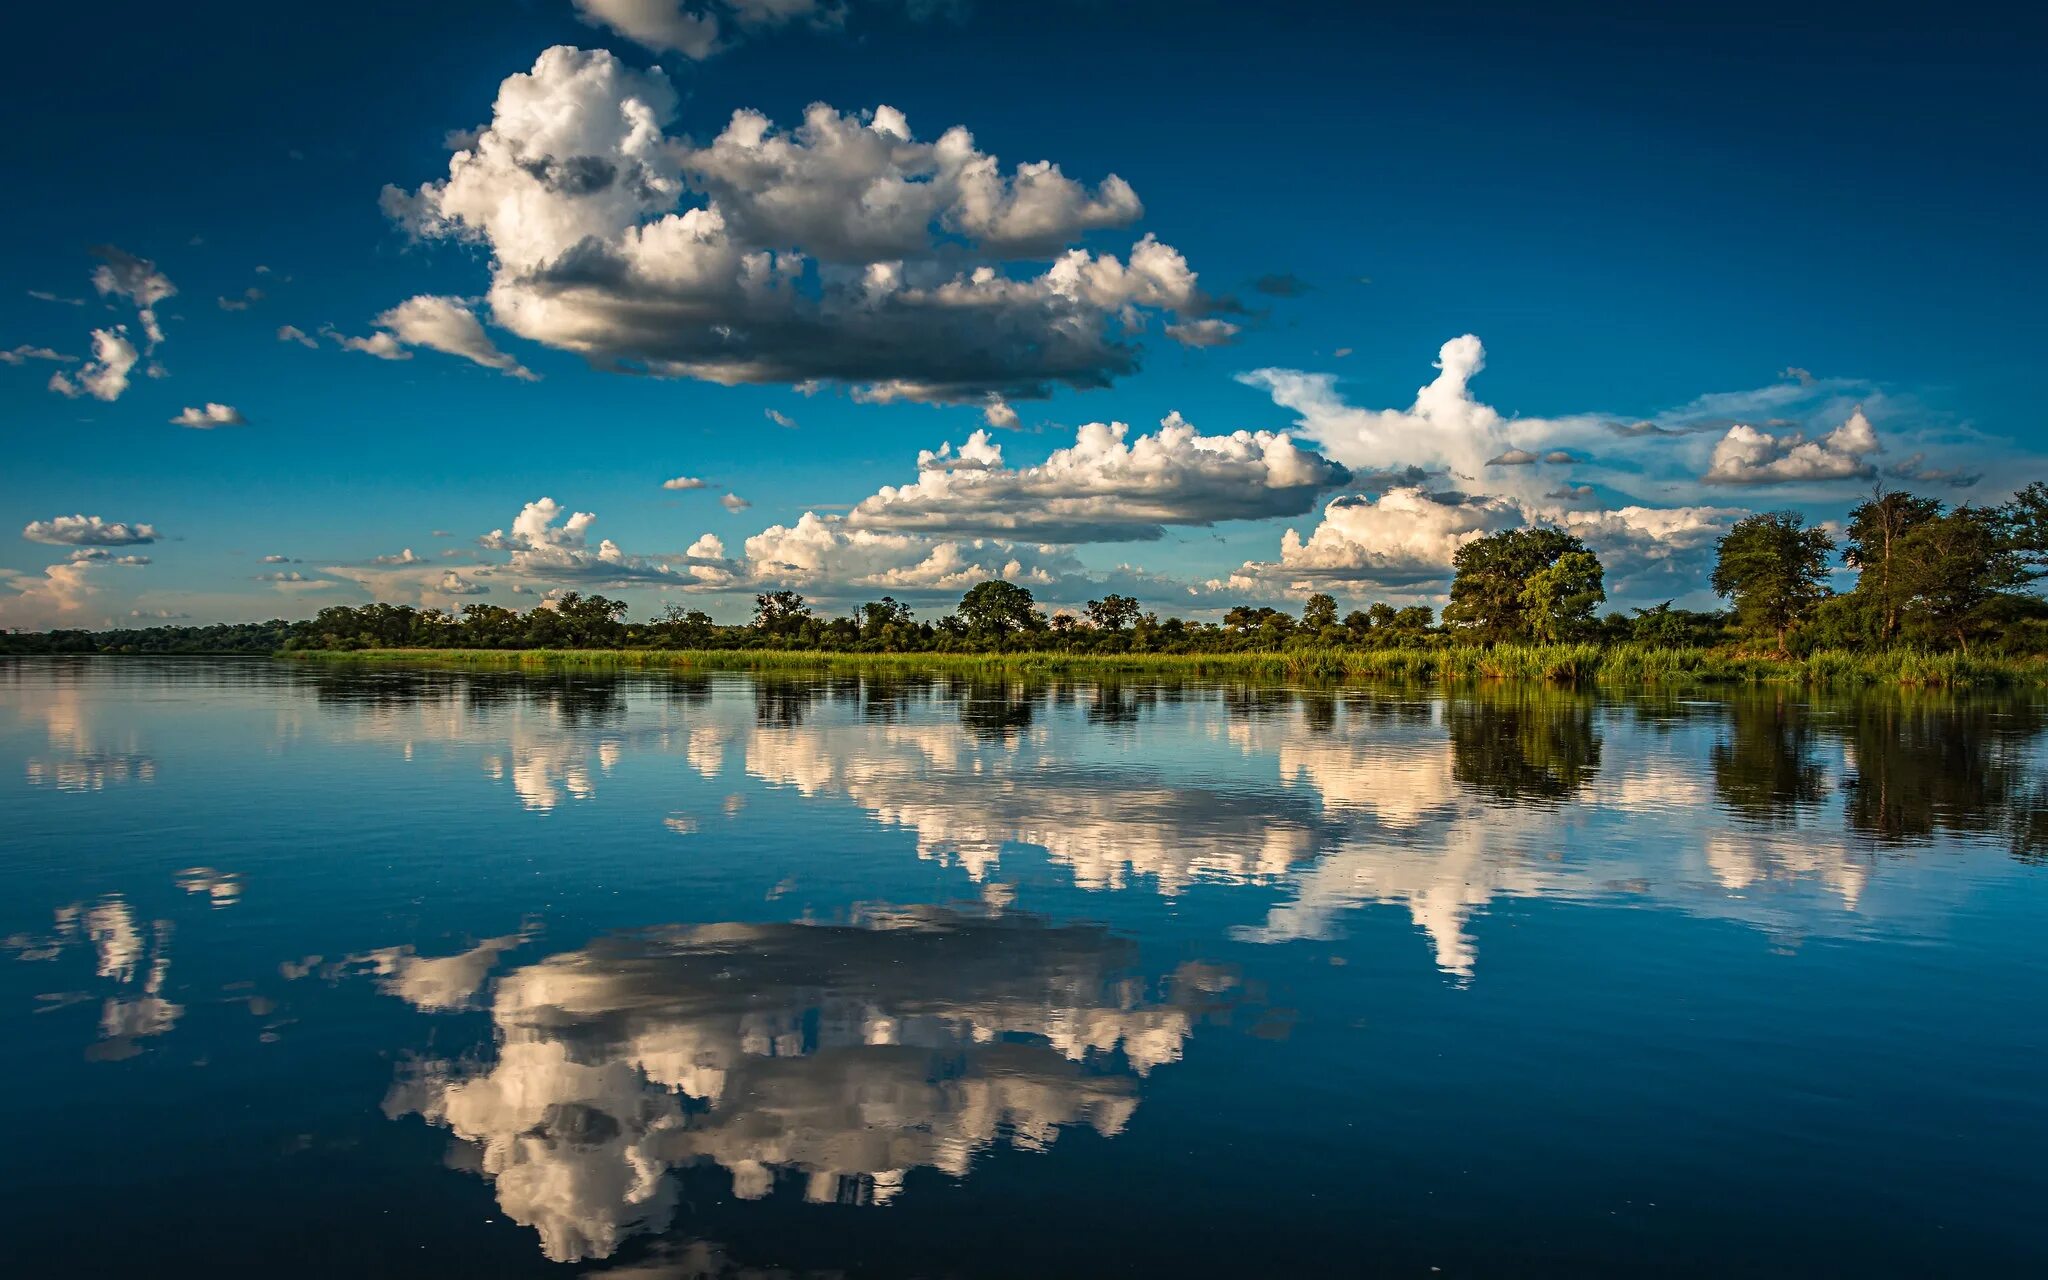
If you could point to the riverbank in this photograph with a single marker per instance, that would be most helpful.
(1577, 664)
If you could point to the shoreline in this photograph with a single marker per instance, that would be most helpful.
(1580, 664)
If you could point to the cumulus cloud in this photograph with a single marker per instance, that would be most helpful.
(1448, 440)
(683, 482)
(781, 419)
(827, 551)
(842, 251)
(403, 557)
(549, 542)
(998, 414)
(699, 28)
(1409, 536)
(440, 324)
(380, 344)
(1749, 456)
(48, 598)
(88, 531)
(249, 297)
(454, 584)
(25, 353)
(100, 555)
(733, 502)
(292, 333)
(105, 376)
(1105, 486)
(294, 582)
(123, 275)
(211, 416)
(1209, 332)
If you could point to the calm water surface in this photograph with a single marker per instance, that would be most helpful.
(358, 972)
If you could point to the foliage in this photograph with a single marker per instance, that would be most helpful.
(1774, 568)
(1492, 574)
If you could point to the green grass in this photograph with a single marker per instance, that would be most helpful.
(1566, 664)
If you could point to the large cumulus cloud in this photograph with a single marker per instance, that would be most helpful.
(1106, 486)
(845, 250)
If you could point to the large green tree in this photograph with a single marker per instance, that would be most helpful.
(1774, 568)
(1558, 600)
(779, 613)
(1494, 572)
(996, 609)
(1953, 572)
(1113, 612)
(1872, 544)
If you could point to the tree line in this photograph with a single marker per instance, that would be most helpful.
(1926, 575)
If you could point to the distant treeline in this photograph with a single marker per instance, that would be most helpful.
(1928, 577)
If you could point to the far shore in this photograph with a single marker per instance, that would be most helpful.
(1569, 664)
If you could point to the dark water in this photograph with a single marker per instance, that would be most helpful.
(398, 973)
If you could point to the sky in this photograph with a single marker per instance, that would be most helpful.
(683, 300)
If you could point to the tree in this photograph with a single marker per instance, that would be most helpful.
(1317, 612)
(996, 609)
(1558, 600)
(1112, 613)
(1774, 568)
(779, 612)
(876, 616)
(1953, 568)
(1491, 574)
(2025, 519)
(1871, 545)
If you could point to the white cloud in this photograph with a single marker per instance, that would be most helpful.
(781, 419)
(1407, 536)
(826, 551)
(46, 599)
(551, 543)
(213, 415)
(1445, 427)
(998, 414)
(1209, 332)
(842, 251)
(683, 482)
(88, 531)
(249, 297)
(403, 557)
(105, 376)
(447, 325)
(25, 353)
(733, 502)
(1749, 456)
(380, 344)
(454, 584)
(1105, 487)
(292, 333)
(123, 275)
(699, 28)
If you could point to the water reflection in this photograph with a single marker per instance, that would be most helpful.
(132, 961)
(835, 1057)
(1571, 909)
(76, 755)
(1438, 803)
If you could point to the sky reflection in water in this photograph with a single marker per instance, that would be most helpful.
(884, 976)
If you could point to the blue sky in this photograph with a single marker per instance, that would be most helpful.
(1692, 248)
